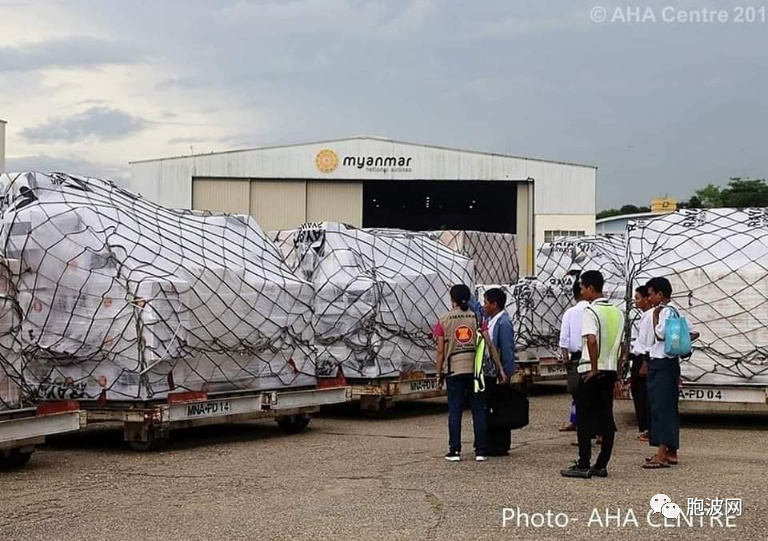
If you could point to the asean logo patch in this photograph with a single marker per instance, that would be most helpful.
(464, 335)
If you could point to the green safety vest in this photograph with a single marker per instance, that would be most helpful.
(610, 325)
(478, 373)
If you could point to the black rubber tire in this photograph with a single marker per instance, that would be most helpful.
(152, 444)
(293, 424)
(16, 459)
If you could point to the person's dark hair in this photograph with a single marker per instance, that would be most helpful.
(643, 291)
(496, 296)
(460, 295)
(661, 285)
(576, 289)
(593, 278)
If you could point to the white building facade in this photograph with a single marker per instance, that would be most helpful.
(375, 182)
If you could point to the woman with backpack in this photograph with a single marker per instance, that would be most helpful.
(663, 378)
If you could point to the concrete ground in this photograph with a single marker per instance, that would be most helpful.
(349, 477)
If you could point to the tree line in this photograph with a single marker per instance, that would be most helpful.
(739, 193)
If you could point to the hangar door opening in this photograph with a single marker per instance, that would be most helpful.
(420, 205)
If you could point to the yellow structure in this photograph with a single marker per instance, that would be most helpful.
(663, 204)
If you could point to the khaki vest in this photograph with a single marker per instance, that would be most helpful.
(460, 341)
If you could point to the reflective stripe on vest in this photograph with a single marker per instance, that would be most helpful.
(478, 373)
(609, 328)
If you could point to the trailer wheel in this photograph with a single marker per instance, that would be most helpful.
(292, 424)
(152, 443)
(16, 459)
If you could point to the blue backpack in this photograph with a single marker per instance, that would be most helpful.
(677, 335)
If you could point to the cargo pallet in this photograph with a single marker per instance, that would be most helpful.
(378, 395)
(713, 398)
(23, 429)
(542, 369)
(146, 425)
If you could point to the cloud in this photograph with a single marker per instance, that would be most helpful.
(74, 166)
(74, 52)
(98, 123)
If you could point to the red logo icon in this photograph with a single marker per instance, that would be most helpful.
(464, 335)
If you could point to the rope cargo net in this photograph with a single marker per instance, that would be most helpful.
(106, 295)
(717, 263)
(536, 304)
(377, 295)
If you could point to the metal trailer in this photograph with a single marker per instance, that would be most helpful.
(741, 398)
(711, 398)
(146, 425)
(23, 429)
(379, 395)
(541, 366)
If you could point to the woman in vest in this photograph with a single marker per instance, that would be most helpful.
(457, 334)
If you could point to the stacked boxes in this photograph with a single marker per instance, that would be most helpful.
(377, 296)
(121, 298)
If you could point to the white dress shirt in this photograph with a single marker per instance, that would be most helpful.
(570, 328)
(657, 349)
(492, 323)
(644, 339)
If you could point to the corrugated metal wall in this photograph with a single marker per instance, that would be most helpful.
(221, 195)
(335, 201)
(278, 204)
(281, 204)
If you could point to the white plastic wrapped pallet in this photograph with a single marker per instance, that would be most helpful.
(377, 296)
(121, 296)
(536, 305)
(716, 260)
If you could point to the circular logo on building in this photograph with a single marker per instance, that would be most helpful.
(326, 161)
(463, 334)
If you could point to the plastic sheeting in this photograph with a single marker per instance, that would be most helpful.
(378, 295)
(717, 263)
(119, 296)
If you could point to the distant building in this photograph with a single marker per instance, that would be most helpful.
(2, 146)
(376, 182)
(617, 225)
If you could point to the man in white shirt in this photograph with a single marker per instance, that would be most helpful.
(663, 381)
(638, 356)
(570, 348)
(602, 332)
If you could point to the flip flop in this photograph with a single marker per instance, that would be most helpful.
(654, 465)
(567, 429)
(670, 461)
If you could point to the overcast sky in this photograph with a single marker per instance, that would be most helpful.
(660, 108)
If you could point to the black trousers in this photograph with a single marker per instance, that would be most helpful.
(594, 404)
(499, 438)
(640, 393)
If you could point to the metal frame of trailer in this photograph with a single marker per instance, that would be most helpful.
(741, 399)
(146, 425)
(23, 429)
(380, 395)
(377, 396)
(713, 398)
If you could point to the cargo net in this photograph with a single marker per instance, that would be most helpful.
(536, 305)
(494, 254)
(377, 295)
(106, 295)
(717, 262)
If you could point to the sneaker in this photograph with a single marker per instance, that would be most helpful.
(453, 456)
(599, 472)
(481, 458)
(577, 472)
